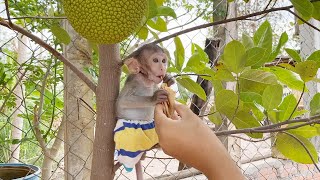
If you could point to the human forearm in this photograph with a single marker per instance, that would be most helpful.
(220, 166)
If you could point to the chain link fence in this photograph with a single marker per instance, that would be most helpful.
(47, 114)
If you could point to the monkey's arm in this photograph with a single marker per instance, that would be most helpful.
(134, 97)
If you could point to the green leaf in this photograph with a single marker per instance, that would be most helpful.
(183, 94)
(304, 7)
(305, 131)
(272, 97)
(250, 97)
(203, 55)
(208, 73)
(60, 34)
(293, 54)
(257, 112)
(307, 70)
(143, 33)
(234, 56)
(159, 24)
(254, 56)
(224, 74)
(194, 64)
(289, 78)
(2, 75)
(154, 34)
(192, 87)
(244, 120)
(214, 116)
(49, 97)
(227, 103)
(217, 85)
(159, 2)
(179, 53)
(153, 9)
(256, 80)
(286, 108)
(263, 37)
(166, 11)
(315, 105)
(316, 10)
(294, 150)
(315, 56)
(247, 41)
(282, 41)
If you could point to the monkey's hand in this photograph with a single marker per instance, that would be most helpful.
(168, 79)
(160, 96)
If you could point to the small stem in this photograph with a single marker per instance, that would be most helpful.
(304, 85)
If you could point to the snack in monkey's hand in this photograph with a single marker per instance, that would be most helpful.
(169, 105)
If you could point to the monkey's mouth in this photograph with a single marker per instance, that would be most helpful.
(160, 77)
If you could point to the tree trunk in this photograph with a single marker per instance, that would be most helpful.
(106, 96)
(79, 118)
(51, 153)
(17, 122)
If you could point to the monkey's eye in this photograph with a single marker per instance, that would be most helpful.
(164, 60)
(155, 60)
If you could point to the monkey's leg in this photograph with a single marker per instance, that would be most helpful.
(139, 172)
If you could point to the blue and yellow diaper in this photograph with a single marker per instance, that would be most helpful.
(132, 138)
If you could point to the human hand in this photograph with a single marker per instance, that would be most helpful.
(189, 140)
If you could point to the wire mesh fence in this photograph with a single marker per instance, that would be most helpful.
(47, 113)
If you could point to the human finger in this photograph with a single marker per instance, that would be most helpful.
(159, 113)
(182, 110)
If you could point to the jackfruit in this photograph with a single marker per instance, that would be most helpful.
(105, 21)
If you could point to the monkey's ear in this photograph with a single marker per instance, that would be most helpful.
(133, 65)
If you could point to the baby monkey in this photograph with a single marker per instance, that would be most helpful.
(135, 133)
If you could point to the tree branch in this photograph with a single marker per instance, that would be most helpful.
(222, 22)
(54, 52)
(38, 132)
(296, 15)
(36, 17)
(7, 11)
(273, 127)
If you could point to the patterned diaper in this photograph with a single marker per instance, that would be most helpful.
(132, 139)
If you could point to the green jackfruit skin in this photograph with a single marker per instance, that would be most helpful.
(105, 21)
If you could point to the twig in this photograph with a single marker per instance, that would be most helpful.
(154, 157)
(7, 11)
(303, 89)
(42, 91)
(302, 144)
(191, 74)
(221, 22)
(38, 132)
(250, 140)
(296, 15)
(272, 128)
(54, 52)
(178, 175)
(36, 17)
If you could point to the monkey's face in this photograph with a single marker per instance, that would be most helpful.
(157, 63)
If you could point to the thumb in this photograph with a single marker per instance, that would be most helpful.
(183, 110)
(159, 115)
